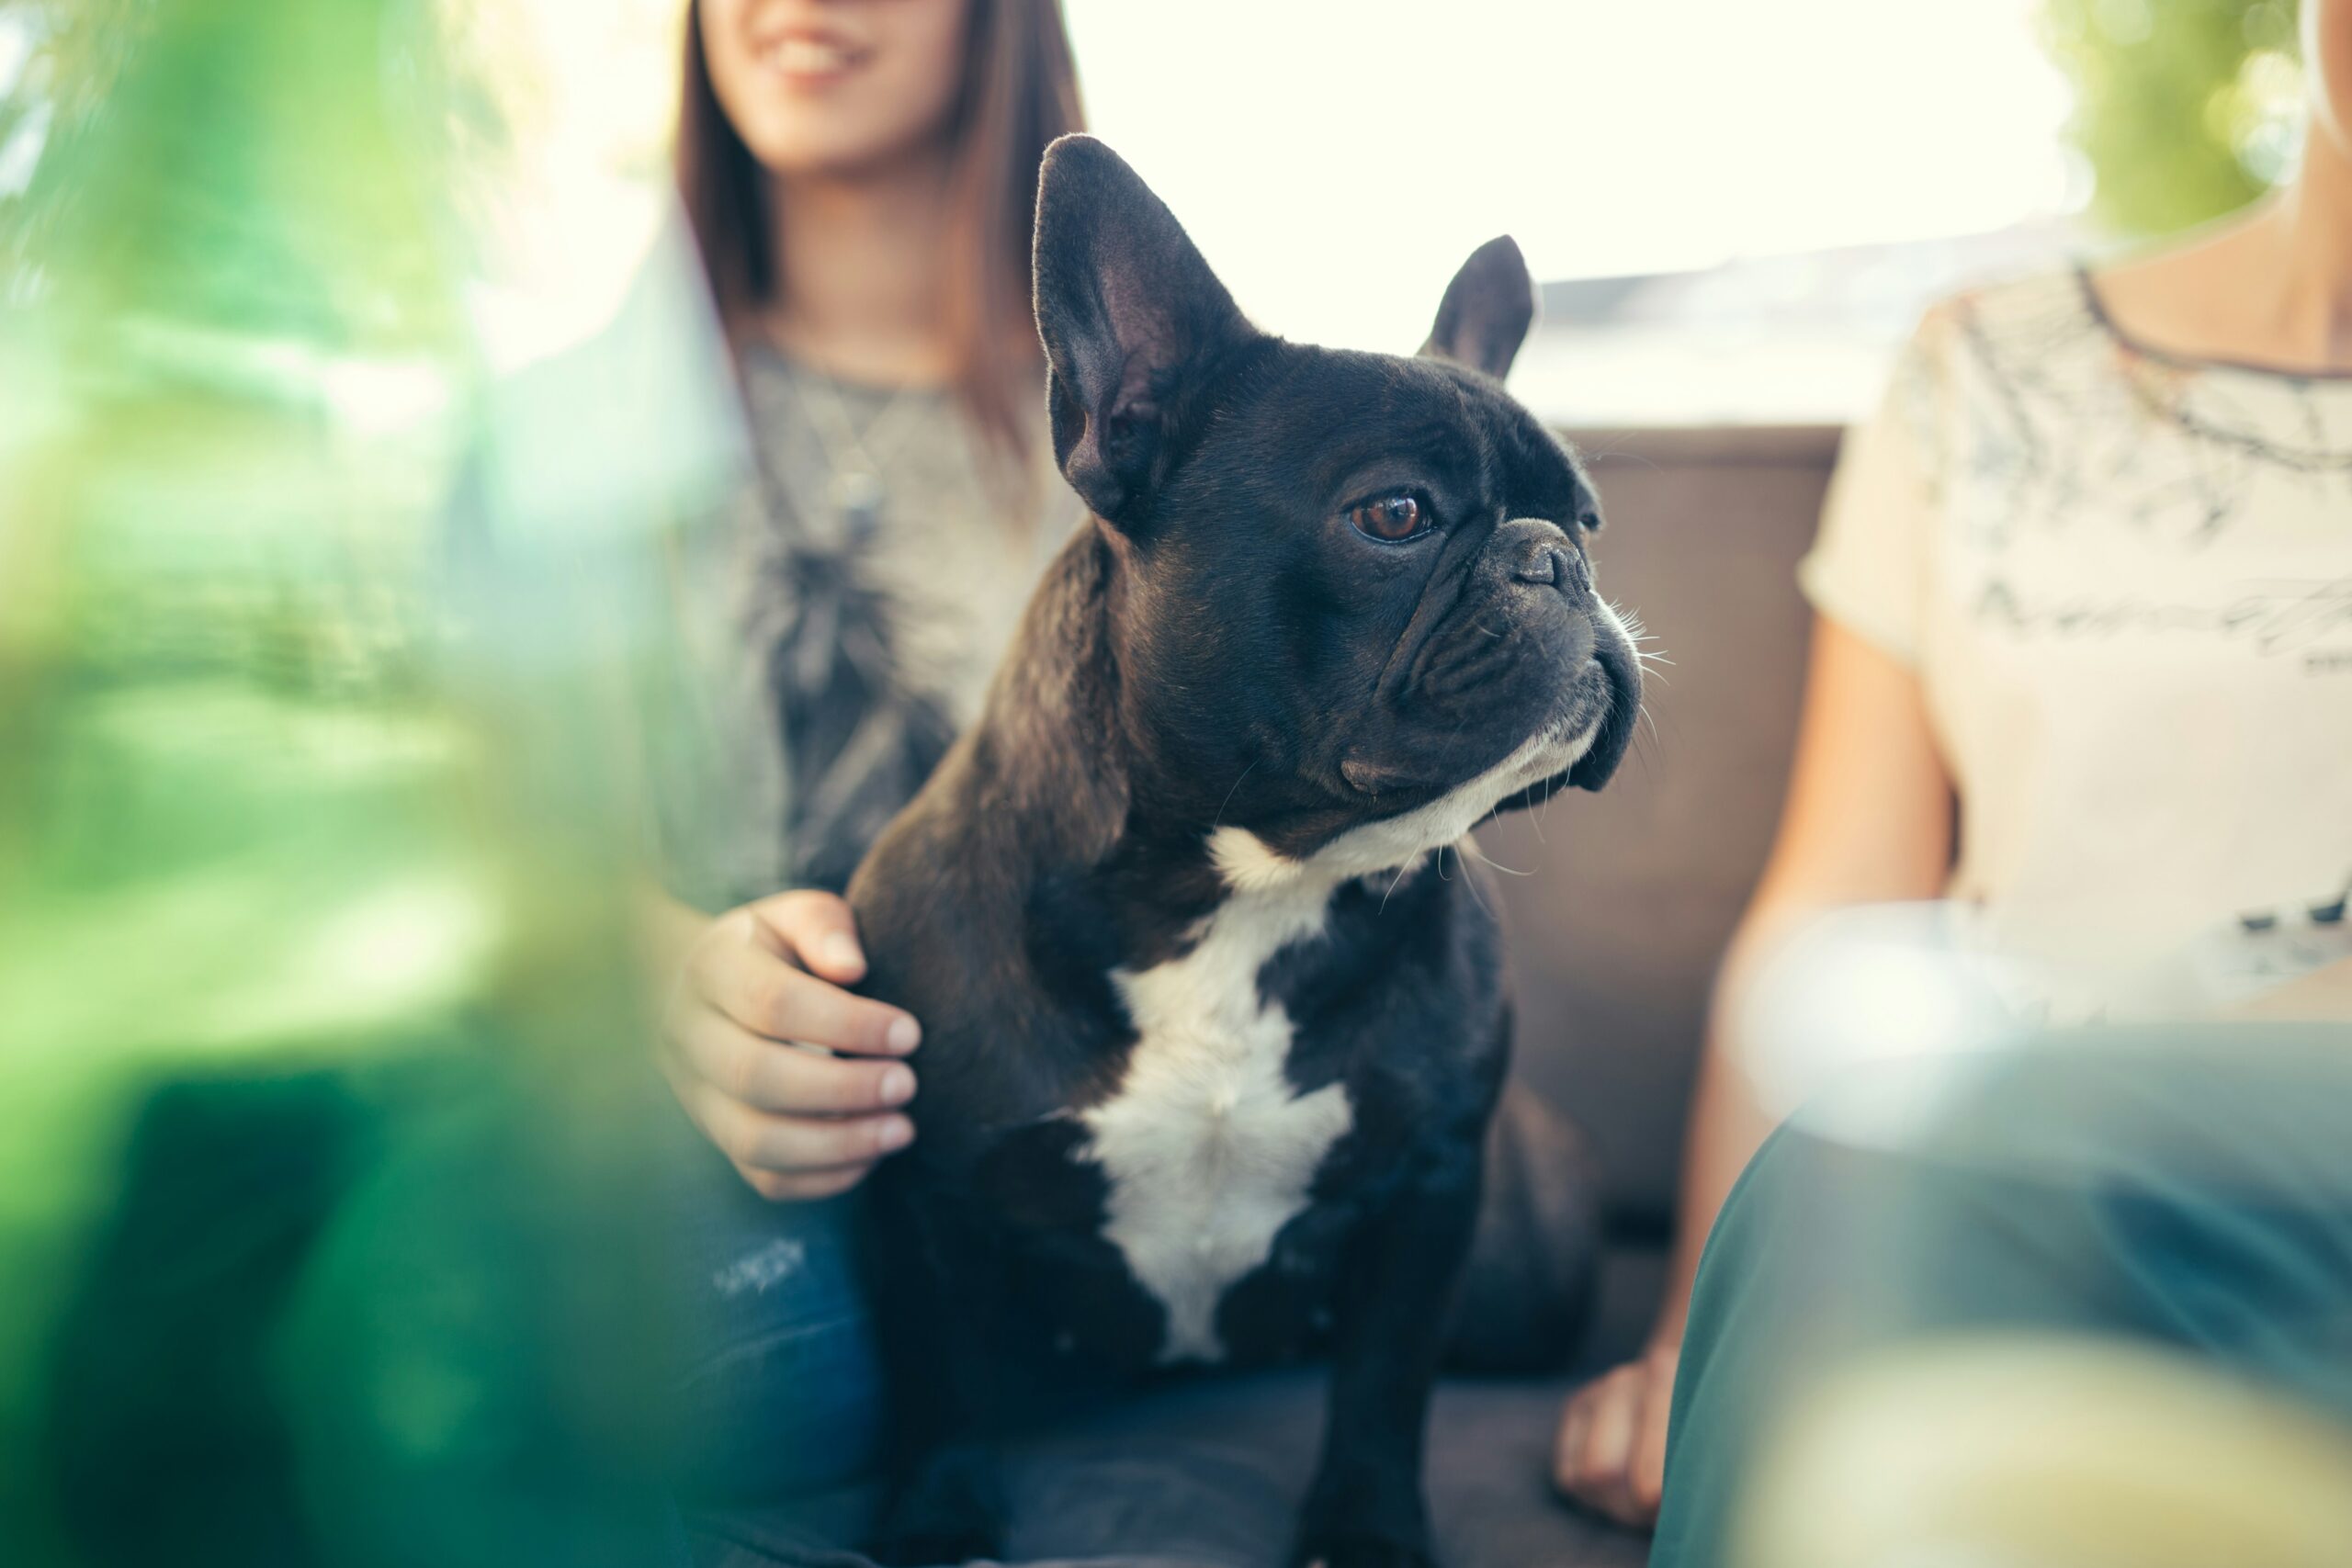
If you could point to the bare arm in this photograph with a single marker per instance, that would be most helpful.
(1868, 818)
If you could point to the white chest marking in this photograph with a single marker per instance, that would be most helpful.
(1208, 1149)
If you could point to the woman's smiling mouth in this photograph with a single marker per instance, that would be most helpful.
(813, 58)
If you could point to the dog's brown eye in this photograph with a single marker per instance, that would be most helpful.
(1390, 517)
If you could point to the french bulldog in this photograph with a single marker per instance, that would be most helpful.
(1213, 1035)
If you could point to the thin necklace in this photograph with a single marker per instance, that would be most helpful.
(854, 457)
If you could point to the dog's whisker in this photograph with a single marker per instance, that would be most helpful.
(1219, 821)
(1472, 883)
(1480, 851)
(1617, 449)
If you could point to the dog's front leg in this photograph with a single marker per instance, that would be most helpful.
(1365, 1508)
(933, 1298)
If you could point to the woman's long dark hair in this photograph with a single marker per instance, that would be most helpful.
(1019, 91)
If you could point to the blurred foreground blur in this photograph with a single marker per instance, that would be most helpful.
(2050, 1452)
(319, 1040)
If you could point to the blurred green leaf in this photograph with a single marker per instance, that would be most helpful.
(2185, 110)
(324, 660)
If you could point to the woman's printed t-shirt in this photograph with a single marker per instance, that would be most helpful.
(2125, 582)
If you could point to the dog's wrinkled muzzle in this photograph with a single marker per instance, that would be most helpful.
(1598, 666)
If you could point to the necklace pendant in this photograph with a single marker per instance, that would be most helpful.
(857, 505)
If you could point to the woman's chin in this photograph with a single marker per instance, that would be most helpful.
(799, 144)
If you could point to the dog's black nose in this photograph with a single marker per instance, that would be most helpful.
(1541, 563)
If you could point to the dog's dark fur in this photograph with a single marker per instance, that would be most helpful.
(1220, 687)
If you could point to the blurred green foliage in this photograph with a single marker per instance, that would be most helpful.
(322, 666)
(2185, 110)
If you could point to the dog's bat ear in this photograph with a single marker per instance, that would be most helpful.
(1127, 311)
(1487, 309)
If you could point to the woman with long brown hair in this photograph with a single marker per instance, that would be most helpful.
(859, 175)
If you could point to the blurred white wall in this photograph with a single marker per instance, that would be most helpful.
(1338, 158)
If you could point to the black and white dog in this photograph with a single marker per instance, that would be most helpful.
(1212, 1039)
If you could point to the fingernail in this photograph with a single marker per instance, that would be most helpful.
(897, 1087)
(842, 953)
(905, 1034)
(894, 1134)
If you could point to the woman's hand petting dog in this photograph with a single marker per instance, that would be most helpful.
(797, 1082)
(1611, 1455)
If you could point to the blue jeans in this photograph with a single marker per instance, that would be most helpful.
(2192, 1192)
(783, 1388)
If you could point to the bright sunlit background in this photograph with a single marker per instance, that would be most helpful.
(1736, 207)
(1338, 158)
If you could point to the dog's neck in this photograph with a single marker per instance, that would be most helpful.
(1048, 759)
(1065, 782)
